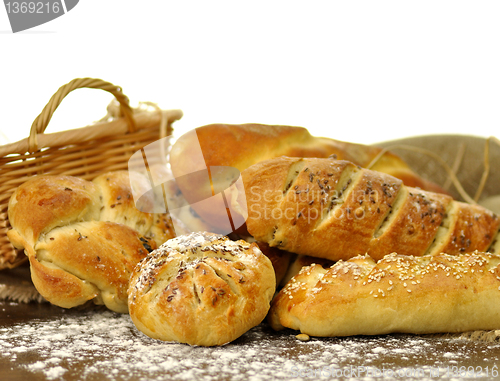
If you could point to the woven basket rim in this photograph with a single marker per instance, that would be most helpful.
(112, 139)
(144, 120)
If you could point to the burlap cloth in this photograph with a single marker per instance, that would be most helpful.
(464, 155)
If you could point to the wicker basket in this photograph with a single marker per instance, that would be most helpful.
(85, 152)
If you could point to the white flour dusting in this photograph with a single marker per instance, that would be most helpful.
(109, 346)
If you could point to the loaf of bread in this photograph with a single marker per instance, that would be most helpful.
(201, 289)
(83, 238)
(431, 294)
(240, 146)
(334, 209)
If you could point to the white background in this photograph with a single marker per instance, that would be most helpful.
(360, 71)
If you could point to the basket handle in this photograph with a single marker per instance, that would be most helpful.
(41, 122)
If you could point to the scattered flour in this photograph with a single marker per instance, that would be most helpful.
(102, 344)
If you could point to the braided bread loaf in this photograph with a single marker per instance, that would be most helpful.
(431, 294)
(240, 146)
(201, 289)
(83, 238)
(334, 209)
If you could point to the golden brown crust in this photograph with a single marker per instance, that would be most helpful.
(44, 202)
(53, 283)
(117, 201)
(335, 210)
(440, 293)
(241, 146)
(300, 261)
(83, 238)
(101, 254)
(470, 230)
(201, 289)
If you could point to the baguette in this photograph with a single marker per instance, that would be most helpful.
(334, 209)
(405, 294)
(240, 146)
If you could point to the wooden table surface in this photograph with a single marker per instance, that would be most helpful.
(44, 342)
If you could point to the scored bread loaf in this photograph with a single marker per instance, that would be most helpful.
(83, 238)
(406, 294)
(240, 146)
(201, 289)
(334, 209)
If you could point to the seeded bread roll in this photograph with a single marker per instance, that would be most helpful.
(240, 146)
(334, 209)
(83, 238)
(431, 294)
(201, 289)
